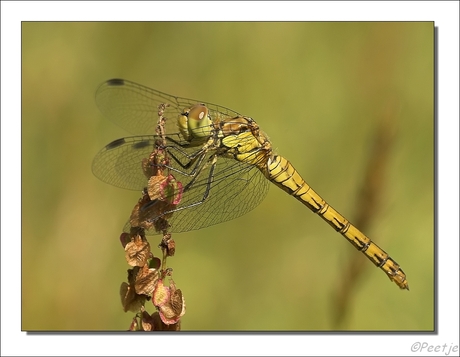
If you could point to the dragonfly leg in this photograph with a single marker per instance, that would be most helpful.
(194, 160)
(212, 161)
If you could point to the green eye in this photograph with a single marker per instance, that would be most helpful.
(195, 123)
(197, 113)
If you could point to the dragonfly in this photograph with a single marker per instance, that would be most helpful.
(223, 161)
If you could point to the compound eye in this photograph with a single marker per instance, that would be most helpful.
(198, 113)
(198, 123)
(195, 124)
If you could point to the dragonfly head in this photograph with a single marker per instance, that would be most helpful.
(195, 124)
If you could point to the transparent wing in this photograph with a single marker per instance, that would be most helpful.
(219, 193)
(120, 162)
(135, 107)
(233, 189)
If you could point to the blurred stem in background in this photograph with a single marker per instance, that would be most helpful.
(368, 204)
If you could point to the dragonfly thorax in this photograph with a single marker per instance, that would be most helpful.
(241, 139)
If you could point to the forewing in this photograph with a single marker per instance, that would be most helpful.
(134, 107)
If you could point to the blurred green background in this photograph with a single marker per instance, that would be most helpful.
(317, 89)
